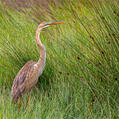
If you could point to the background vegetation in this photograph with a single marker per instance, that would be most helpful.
(81, 77)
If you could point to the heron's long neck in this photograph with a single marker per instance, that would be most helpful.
(41, 61)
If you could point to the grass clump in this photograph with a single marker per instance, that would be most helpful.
(80, 79)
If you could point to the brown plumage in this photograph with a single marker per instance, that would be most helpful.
(20, 84)
(27, 77)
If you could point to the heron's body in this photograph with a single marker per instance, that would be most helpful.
(27, 77)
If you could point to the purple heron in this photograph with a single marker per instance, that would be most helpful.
(27, 77)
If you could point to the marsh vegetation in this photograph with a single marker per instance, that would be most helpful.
(81, 76)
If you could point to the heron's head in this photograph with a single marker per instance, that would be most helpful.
(46, 24)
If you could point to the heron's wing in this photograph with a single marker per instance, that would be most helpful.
(19, 85)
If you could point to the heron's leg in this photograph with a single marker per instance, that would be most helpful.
(28, 101)
(37, 89)
(29, 98)
(19, 103)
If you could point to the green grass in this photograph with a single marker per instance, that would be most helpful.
(81, 77)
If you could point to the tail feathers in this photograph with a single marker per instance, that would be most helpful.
(16, 95)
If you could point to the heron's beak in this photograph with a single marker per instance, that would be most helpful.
(55, 23)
